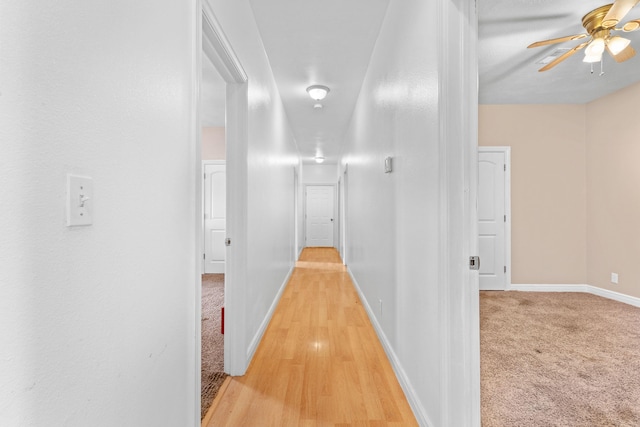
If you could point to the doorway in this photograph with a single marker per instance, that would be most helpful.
(494, 217)
(217, 57)
(213, 90)
(319, 215)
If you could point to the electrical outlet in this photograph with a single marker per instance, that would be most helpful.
(614, 278)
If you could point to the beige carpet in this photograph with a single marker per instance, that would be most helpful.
(212, 340)
(559, 359)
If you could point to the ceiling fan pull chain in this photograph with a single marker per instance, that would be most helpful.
(591, 68)
(602, 66)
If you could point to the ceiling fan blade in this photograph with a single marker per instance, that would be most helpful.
(618, 10)
(631, 26)
(562, 57)
(625, 55)
(558, 40)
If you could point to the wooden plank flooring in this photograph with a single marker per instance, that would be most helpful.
(319, 363)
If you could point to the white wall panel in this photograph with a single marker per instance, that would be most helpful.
(398, 229)
(97, 322)
(392, 221)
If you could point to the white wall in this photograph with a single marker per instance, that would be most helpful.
(213, 143)
(97, 323)
(399, 224)
(272, 156)
(319, 174)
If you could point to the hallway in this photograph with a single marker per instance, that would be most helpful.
(320, 362)
(103, 237)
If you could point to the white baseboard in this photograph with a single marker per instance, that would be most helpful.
(616, 296)
(267, 318)
(418, 410)
(548, 288)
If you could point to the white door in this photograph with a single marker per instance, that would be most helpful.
(492, 220)
(319, 215)
(215, 213)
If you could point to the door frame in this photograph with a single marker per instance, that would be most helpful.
(205, 163)
(343, 215)
(338, 210)
(296, 229)
(212, 42)
(304, 210)
(506, 150)
(458, 296)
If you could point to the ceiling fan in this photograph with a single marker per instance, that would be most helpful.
(599, 24)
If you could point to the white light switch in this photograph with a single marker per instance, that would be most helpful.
(614, 278)
(79, 200)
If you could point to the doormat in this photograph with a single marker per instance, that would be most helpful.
(211, 383)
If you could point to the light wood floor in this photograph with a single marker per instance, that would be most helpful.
(319, 363)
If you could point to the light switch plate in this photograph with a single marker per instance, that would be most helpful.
(79, 200)
(388, 168)
(614, 278)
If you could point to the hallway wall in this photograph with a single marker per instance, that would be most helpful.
(97, 323)
(320, 174)
(394, 219)
(272, 157)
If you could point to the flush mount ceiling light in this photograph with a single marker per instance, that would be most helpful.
(319, 159)
(317, 92)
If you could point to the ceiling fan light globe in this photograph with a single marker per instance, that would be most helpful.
(617, 44)
(592, 58)
(596, 47)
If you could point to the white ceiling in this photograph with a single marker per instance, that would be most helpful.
(330, 43)
(508, 70)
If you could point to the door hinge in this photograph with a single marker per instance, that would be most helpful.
(204, 256)
(505, 268)
(474, 263)
(505, 167)
(505, 218)
(205, 175)
(227, 241)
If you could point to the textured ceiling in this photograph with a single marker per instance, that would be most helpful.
(508, 70)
